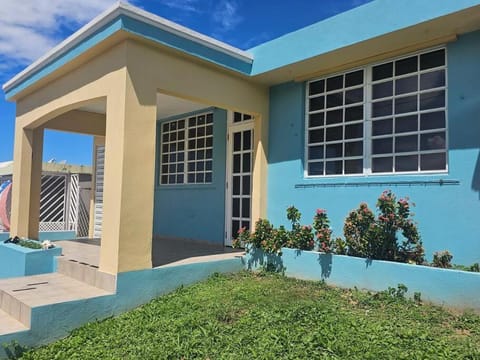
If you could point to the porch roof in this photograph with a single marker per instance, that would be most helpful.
(379, 27)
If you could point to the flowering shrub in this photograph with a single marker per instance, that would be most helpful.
(377, 238)
(442, 259)
(264, 237)
(323, 233)
(301, 236)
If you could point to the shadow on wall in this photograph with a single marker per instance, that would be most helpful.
(258, 259)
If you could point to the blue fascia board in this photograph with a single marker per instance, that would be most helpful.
(141, 29)
(102, 34)
(371, 20)
(174, 41)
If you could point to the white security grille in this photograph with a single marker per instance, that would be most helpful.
(99, 171)
(73, 202)
(53, 199)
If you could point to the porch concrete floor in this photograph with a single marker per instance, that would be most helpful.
(165, 251)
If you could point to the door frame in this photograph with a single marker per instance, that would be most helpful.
(231, 128)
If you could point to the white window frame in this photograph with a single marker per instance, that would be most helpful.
(367, 122)
(186, 150)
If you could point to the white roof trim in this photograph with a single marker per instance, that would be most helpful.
(113, 12)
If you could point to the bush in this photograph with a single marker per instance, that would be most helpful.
(442, 259)
(377, 238)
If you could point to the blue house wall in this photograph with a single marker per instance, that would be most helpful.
(195, 211)
(447, 215)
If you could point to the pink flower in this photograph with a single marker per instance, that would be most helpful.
(320, 211)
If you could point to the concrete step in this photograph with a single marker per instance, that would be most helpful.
(9, 325)
(19, 295)
(86, 273)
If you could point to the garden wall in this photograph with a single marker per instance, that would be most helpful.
(18, 261)
(451, 288)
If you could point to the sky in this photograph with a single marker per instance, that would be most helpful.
(29, 28)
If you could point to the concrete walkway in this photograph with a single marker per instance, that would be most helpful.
(165, 251)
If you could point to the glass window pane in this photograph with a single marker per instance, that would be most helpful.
(382, 90)
(433, 120)
(315, 152)
(353, 166)
(432, 80)
(334, 133)
(236, 163)
(354, 96)
(237, 141)
(432, 59)
(165, 127)
(191, 133)
(246, 185)
(334, 100)
(333, 167)
(191, 178)
(237, 117)
(317, 103)
(246, 166)
(209, 142)
(354, 148)
(406, 104)
(432, 100)
(406, 163)
(236, 185)
(334, 116)
(384, 71)
(315, 136)
(406, 66)
(246, 208)
(200, 166)
(208, 177)
(165, 137)
(236, 207)
(208, 165)
(181, 124)
(354, 113)
(201, 131)
(191, 166)
(201, 120)
(406, 124)
(180, 179)
(382, 108)
(235, 228)
(432, 141)
(334, 150)
(164, 179)
(181, 135)
(433, 161)
(315, 168)
(209, 130)
(200, 178)
(192, 121)
(317, 87)
(209, 118)
(406, 85)
(172, 179)
(354, 131)
(247, 140)
(208, 154)
(201, 143)
(406, 143)
(354, 78)
(316, 119)
(335, 83)
(382, 127)
(382, 146)
(382, 165)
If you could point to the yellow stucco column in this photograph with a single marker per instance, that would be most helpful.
(27, 177)
(129, 178)
(260, 165)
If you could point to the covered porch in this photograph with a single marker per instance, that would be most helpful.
(118, 91)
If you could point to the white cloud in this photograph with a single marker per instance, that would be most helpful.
(184, 5)
(226, 15)
(30, 28)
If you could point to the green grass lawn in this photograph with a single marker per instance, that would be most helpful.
(263, 316)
